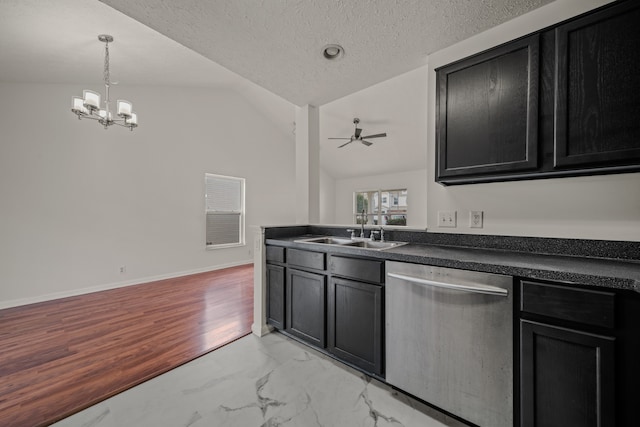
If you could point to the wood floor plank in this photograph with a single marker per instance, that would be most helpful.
(59, 357)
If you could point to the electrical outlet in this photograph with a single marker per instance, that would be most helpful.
(475, 219)
(123, 269)
(447, 219)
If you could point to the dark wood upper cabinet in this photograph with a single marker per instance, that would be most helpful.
(597, 89)
(488, 111)
(561, 102)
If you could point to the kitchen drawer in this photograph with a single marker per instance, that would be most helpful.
(360, 269)
(275, 254)
(300, 258)
(577, 305)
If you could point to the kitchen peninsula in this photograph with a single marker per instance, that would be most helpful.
(576, 310)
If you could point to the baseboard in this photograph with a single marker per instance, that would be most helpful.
(115, 285)
(261, 330)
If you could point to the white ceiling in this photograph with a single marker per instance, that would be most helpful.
(278, 43)
(275, 44)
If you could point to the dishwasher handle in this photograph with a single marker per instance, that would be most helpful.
(467, 287)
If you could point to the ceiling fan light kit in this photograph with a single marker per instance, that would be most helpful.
(357, 136)
(88, 107)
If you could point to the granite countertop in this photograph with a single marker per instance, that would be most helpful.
(580, 270)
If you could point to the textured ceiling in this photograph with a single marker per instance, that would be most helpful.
(278, 43)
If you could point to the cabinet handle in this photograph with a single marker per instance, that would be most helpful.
(473, 288)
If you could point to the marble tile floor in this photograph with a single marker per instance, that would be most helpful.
(262, 382)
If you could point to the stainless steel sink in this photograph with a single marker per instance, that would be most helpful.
(327, 240)
(359, 243)
(368, 244)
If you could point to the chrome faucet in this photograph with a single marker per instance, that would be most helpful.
(362, 223)
(353, 233)
(381, 233)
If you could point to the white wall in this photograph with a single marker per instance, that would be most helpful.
(596, 207)
(396, 106)
(414, 181)
(307, 165)
(327, 198)
(78, 201)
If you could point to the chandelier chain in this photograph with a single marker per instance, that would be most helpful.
(107, 77)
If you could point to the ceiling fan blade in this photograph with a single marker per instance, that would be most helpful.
(367, 143)
(358, 133)
(338, 138)
(377, 135)
(346, 143)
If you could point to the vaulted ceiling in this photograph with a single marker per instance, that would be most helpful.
(276, 44)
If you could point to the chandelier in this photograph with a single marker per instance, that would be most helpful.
(88, 107)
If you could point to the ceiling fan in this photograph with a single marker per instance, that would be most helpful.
(357, 135)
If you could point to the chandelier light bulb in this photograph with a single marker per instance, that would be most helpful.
(91, 100)
(124, 108)
(132, 121)
(78, 106)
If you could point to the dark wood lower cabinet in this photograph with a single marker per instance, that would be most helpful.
(276, 296)
(579, 346)
(306, 296)
(340, 316)
(355, 323)
(567, 377)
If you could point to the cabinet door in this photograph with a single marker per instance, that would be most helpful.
(567, 377)
(306, 302)
(488, 112)
(355, 323)
(275, 296)
(597, 86)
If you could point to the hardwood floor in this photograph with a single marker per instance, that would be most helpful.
(59, 357)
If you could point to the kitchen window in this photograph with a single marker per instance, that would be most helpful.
(224, 200)
(381, 207)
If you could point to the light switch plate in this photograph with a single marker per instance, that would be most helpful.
(447, 219)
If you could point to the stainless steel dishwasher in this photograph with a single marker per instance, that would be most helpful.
(449, 340)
